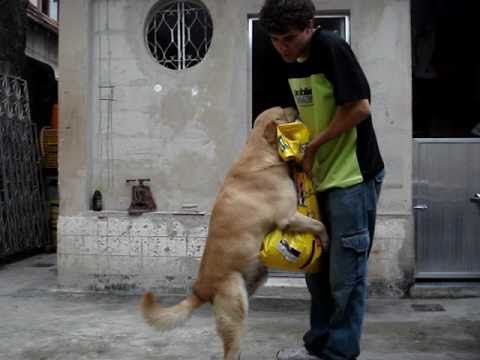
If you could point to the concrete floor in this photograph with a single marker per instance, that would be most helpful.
(38, 321)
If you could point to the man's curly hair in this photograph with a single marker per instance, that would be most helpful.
(279, 16)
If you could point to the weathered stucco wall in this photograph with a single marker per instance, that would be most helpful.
(185, 135)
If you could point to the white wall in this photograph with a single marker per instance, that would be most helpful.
(185, 137)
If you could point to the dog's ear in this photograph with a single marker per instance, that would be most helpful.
(291, 114)
(270, 132)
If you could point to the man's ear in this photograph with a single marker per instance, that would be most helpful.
(270, 132)
(291, 114)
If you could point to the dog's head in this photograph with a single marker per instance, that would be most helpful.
(266, 123)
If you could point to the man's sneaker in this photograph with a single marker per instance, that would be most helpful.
(295, 354)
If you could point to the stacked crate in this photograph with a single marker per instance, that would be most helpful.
(49, 158)
(49, 147)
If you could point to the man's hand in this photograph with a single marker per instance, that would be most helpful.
(346, 117)
(321, 242)
(308, 158)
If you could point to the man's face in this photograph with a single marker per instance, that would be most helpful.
(292, 44)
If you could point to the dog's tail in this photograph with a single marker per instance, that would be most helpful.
(166, 318)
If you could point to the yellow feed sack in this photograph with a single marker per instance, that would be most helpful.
(291, 140)
(285, 250)
(290, 251)
(306, 199)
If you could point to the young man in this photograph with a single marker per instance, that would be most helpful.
(332, 96)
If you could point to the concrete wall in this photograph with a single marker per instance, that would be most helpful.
(185, 136)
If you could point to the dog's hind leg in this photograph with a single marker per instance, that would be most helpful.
(230, 306)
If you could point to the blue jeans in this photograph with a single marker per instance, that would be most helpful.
(339, 291)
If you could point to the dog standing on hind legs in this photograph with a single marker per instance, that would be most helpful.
(257, 196)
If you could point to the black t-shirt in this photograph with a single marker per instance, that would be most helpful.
(331, 76)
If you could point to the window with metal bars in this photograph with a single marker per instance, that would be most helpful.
(178, 33)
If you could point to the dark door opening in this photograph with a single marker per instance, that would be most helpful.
(446, 70)
(43, 94)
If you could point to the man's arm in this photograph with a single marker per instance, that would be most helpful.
(346, 117)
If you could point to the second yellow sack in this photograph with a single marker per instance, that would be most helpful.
(290, 251)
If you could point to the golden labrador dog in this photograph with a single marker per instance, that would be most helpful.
(257, 196)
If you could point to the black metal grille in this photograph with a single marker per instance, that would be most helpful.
(23, 212)
(179, 34)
